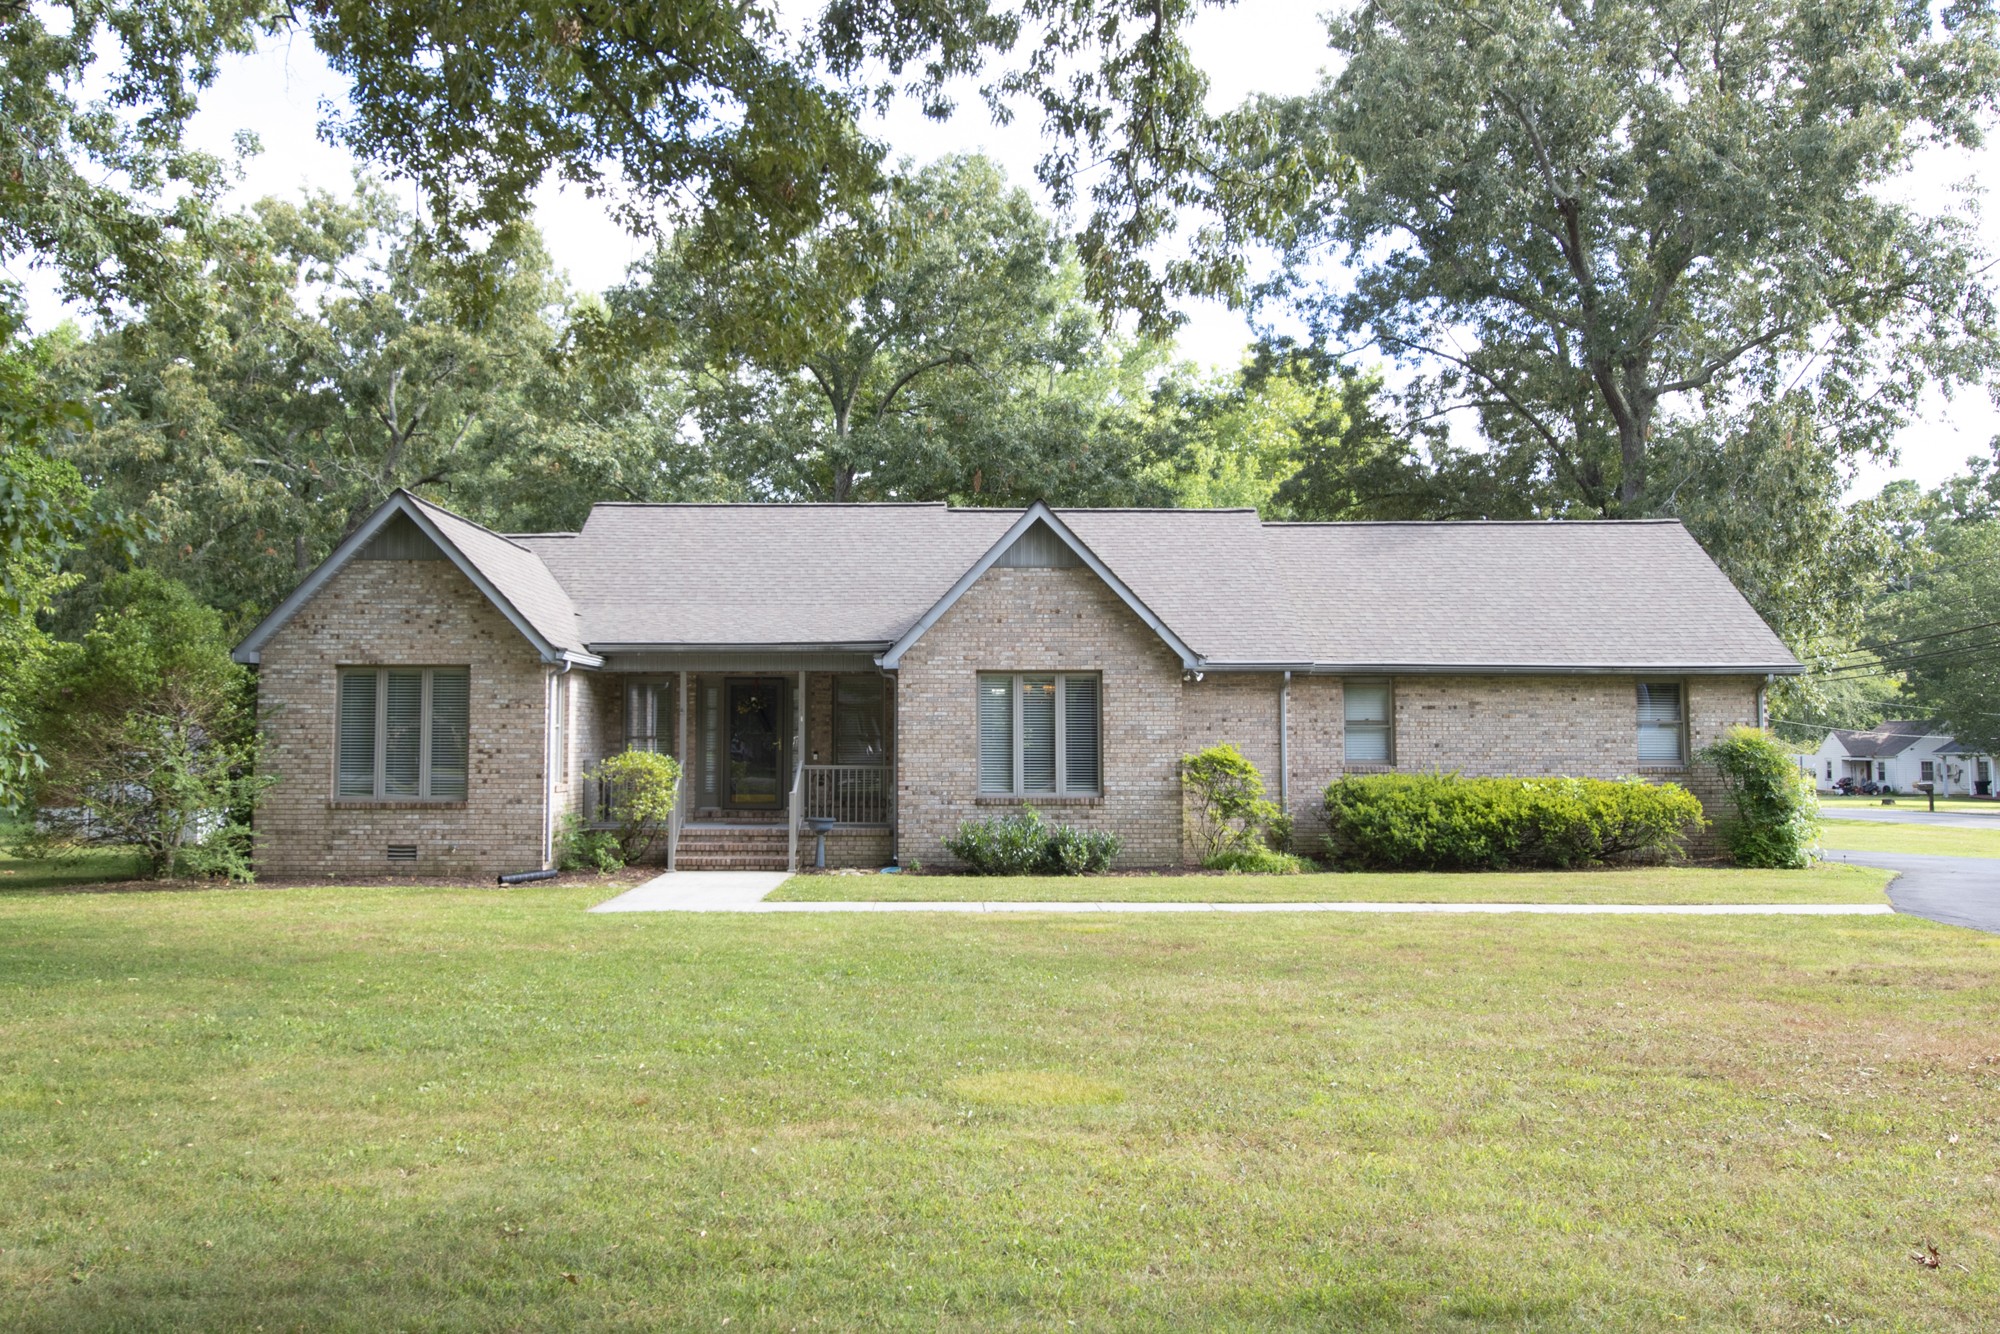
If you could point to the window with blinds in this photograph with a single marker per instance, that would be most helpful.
(1370, 721)
(402, 733)
(651, 718)
(1661, 724)
(1039, 734)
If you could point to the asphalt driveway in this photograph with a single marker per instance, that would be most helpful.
(1959, 891)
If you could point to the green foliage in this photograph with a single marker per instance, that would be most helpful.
(1777, 822)
(932, 344)
(643, 786)
(1022, 844)
(1651, 247)
(1226, 810)
(147, 730)
(580, 848)
(1444, 822)
(1258, 861)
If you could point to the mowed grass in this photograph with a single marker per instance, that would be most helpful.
(19, 873)
(468, 1110)
(1916, 802)
(1821, 884)
(1938, 840)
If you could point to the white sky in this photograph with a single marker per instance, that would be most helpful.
(1274, 46)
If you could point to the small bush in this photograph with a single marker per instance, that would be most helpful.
(1227, 811)
(643, 785)
(1082, 851)
(1023, 845)
(1777, 821)
(1258, 861)
(1443, 822)
(580, 848)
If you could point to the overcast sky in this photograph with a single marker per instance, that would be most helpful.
(1275, 46)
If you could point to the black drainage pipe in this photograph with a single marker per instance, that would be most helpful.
(524, 877)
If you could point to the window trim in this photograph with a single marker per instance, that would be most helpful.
(1680, 762)
(1388, 724)
(1062, 792)
(381, 795)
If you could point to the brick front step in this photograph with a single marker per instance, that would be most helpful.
(715, 849)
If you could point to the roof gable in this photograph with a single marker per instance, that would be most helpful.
(509, 576)
(1038, 537)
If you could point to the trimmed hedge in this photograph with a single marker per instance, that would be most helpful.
(1443, 822)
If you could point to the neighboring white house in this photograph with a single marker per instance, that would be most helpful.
(1901, 754)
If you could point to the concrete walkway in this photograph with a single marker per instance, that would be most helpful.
(1959, 891)
(744, 891)
(698, 891)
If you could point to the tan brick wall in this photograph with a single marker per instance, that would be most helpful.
(1040, 620)
(1578, 726)
(400, 613)
(1240, 709)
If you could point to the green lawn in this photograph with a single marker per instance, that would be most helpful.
(1909, 801)
(20, 874)
(1822, 884)
(467, 1110)
(1881, 836)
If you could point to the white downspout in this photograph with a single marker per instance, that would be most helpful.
(550, 761)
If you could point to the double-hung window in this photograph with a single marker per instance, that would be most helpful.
(1039, 734)
(857, 721)
(1370, 721)
(403, 733)
(1662, 725)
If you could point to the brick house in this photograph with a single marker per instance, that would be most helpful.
(434, 692)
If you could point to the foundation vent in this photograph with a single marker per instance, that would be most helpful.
(402, 852)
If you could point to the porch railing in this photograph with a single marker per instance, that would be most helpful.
(847, 793)
(794, 812)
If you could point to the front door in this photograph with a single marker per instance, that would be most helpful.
(754, 727)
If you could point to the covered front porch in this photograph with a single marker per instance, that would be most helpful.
(773, 751)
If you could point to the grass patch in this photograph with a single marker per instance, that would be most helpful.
(392, 1109)
(1936, 840)
(89, 868)
(1916, 802)
(1821, 884)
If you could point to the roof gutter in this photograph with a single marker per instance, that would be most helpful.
(1499, 669)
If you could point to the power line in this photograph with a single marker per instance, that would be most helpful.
(1865, 668)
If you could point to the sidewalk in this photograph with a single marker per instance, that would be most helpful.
(744, 891)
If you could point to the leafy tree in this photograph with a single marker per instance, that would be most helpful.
(1594, 227)
(329, 359)
(148, 733)
(959, 360)
(1940, 630)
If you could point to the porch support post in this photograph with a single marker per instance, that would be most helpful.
(681, 796)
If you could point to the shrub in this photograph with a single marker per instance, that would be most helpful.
(581, 848)
(1777, 810)
(643, 785)
(1227, 810)
(1446, 822)
(1258, 861)
(1011, 845)
(1023, 845)
(146, 732)
(1074, 851)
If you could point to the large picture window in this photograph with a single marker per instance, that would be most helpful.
(403, 733)
(857, 720)
(1661, 725)
(1039, 734)
(1370, 725)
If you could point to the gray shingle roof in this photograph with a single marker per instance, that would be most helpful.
(1506, 596)
(1632, 595)
(1891, 736)
(1618, 597)
(517, 573)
